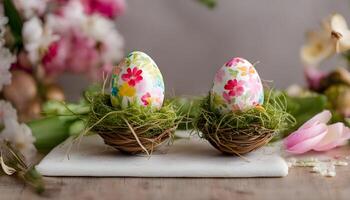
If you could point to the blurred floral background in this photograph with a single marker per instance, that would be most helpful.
(190, 42)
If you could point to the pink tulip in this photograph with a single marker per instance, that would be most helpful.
(107, 8)
(316, 135)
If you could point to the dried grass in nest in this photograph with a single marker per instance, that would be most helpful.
(238, 133)
(133, 130)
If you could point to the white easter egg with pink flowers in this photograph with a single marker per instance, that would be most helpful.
(137, 81)
(237, 86)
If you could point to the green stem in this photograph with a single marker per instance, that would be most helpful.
(50, 131)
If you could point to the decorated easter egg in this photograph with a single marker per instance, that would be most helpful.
(137, 81)
(237, 86)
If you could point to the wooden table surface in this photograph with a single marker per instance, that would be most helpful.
(300, 184)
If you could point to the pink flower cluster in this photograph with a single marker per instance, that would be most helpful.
(316, 135)
(107, 8)
(78, 36)
(234, 88)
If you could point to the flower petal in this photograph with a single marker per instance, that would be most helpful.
(319, 47)
(332, 137)
(338, 23)
(322, 117)
(304, 134)
(306, 145)
(346, 133)
(336, 136)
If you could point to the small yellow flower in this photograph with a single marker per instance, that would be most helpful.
(127, 90)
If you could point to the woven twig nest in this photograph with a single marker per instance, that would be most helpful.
(133, 130)
(238, 133)
(125, 141)
(238, 142)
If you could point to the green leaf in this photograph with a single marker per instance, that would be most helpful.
(15, 21)
(233, 72)
(209, 3)
(33, 178)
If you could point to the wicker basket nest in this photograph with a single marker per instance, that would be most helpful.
(241, 132)
(237, 142)
(125, 141)
(134, 130)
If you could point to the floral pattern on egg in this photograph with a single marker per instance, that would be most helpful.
(237, 86)
(137, 81)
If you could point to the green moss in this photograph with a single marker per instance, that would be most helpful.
(147, 121)
(272, 115)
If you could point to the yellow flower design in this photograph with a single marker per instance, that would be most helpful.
(126, 90)
(244, 70)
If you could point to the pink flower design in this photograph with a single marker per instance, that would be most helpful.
(254, 84)
(107, 8)
(146, 99)
(234, 62)
(227, 97)
(219, 75)
(316, 135)
(234, 87)
(254, 87)
(133, 76)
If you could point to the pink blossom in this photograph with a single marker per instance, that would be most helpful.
(107, 8)
(54, 61)
(314, 77)
(73, 52)
(316, 135)
(88, 44)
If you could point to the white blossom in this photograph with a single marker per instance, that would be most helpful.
(333, 37)
(37, 38)
(21, 138)
(19, 135)
(6, 58)
(30, 8)
(340, 33)
(7, 112)
(105, 32)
